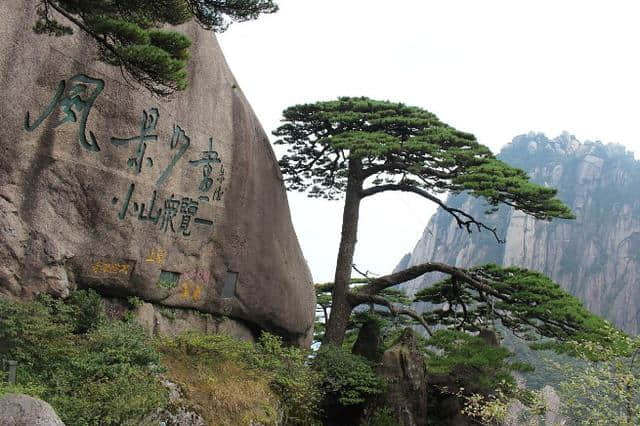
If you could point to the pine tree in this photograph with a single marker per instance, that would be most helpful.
(129, 32)
(358, 147)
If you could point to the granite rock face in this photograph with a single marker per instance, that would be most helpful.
(595, 257)
(403, 369)
(178, 201)
(518, 414)
(174, 322)
(23, 410)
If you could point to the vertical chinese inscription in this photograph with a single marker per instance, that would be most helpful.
(209, 159)
(181, 141)
(147, 126)
(72, 103)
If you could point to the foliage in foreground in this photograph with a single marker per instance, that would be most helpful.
(266, 379)
(90, 370)
(349, 378)
(464, 366)
(129, 32)
(95, 371)
(605, 392)
(474, 365)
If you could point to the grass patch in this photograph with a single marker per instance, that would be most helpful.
(235, 381)
(96, 371)
(224, 393)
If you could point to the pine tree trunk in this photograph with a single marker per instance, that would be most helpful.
(340, 306)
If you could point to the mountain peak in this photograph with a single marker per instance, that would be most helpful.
(595, 257)
(536, 147)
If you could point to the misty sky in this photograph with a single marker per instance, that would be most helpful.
(492, 68)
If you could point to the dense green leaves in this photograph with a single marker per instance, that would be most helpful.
(92, 372)
(527, 302)
(473, 365)
(401, 148)
(129, 36)
(350, 378)
(602, 392)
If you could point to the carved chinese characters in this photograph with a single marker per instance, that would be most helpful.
(173, 214)
(75, 98)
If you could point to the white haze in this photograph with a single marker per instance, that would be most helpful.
(493, 68)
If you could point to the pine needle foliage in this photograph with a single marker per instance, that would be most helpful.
(474, 366)
(350, 378)
(129, 32)
(530, 304)
(402, 148)
(360, 147)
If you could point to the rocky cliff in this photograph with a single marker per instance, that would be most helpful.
(596, 257)
(178, 200)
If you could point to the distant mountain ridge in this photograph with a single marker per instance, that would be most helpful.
(596, 257)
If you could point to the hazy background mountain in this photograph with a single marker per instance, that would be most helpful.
(596, 257)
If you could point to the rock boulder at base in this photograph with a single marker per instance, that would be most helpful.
(369, 343)
(23, 410)
(172, 322)
(176, 200)
(404, 371)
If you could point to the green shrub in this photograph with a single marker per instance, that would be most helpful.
(349, 377)
(297, 385)
(206, 347)
(289, 377)
(102, 377)
(474, 365)
(87, 312)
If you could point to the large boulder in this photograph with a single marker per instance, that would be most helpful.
(369, 343)
(178, 200)
(404, 370)
(173, 322)
(23, 410)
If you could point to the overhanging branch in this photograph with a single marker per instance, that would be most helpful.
(140, 74)
(378, 284)
(463, 219)
(356, 298)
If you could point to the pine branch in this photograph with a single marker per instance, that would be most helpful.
(356, 298)
(463, 219)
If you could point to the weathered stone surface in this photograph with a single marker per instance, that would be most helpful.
(369, 343)
(403, 368)
(519, 415)
(81, 209)
(179, 412)
(23, 410)
(172, 322)
(595, 257)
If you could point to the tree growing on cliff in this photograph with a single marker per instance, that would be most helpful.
(129, 32)
(359, 147)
